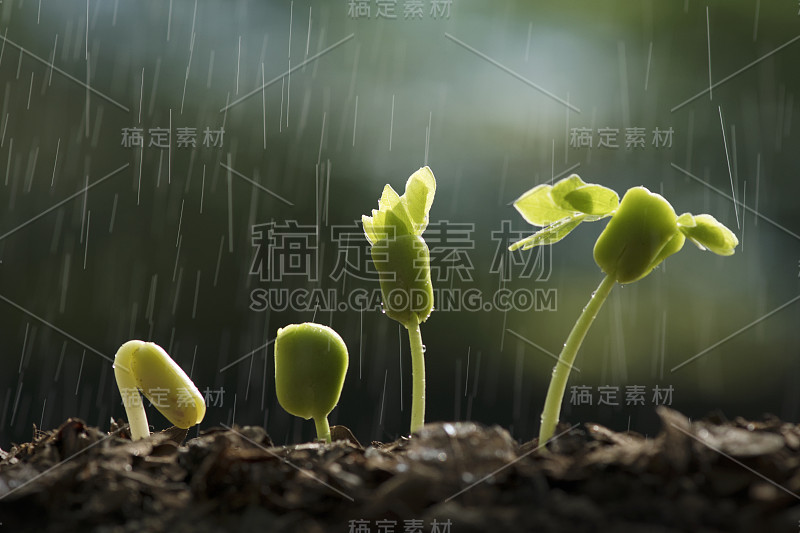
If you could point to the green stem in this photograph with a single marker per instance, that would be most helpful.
(558, 383)
(323, 429)
(418, 377)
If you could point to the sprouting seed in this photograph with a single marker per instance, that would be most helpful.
(310, 366)
(145, 367)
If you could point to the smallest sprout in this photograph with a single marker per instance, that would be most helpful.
(146, 367)
(310, 366)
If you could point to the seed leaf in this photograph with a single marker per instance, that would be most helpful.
(310, 366)
(638, 237)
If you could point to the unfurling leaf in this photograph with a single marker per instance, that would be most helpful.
(563, 187)
(550, 234)
(537, 207)
(709, 233)
(593, 200)
(561, 208)
(686, 220)
(418, 198)
(398, 250)
(402, 215)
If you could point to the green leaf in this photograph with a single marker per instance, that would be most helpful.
(418, 198)
(375, 226)
(593, 200)
(563, 187)
(709, 233)
(402, 215)
(560, 208)
(686, 220)
(392, 217)
(396, 223)
(369, 230)
(550, 234)
(538, 208)
(389, 198)
(546, 204)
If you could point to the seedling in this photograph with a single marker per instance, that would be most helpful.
(146, 367)
(643, 231)
(310, 366)
(403, 262)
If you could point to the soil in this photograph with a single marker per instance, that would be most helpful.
(701, 476)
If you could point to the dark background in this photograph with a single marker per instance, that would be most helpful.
(100, 267)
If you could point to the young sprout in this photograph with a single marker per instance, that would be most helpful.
(403, 262)
(310, 366)
(643, 231)
(146, 367)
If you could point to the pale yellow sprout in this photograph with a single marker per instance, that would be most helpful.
(146, 367)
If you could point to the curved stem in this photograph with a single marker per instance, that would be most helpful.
(418, 377)
(558, 383)
(323, 429)
(134, 408)
(129, 390)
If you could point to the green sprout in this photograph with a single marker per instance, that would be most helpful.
(643, 231)
(146, 367)
(310, 366)
(403, 262)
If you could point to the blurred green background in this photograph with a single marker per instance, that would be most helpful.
(324, 104)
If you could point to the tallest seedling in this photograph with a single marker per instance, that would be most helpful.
(643, 231)
(403, 262)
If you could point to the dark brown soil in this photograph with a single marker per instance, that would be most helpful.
(703, 476)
